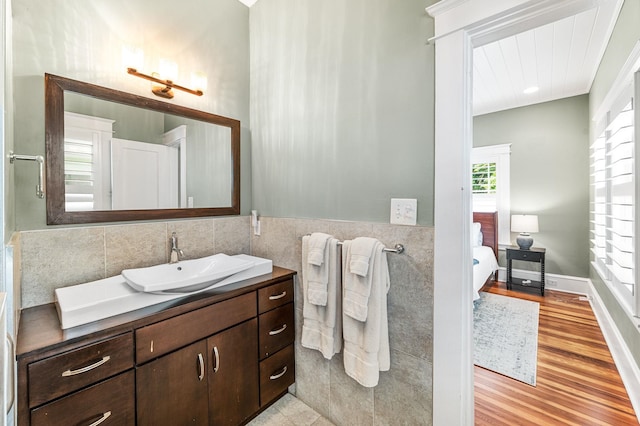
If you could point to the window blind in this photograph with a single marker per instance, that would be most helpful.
(613, 204)
(79, 174)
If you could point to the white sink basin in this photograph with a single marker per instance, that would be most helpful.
(84, 303)
(185, 276)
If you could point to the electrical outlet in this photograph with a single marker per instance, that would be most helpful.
(404, 211)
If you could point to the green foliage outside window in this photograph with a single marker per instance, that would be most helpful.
(483, 178)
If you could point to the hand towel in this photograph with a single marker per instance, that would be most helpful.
(317, 245)
(322, 325)
(361, 252)
(318, 267)
(357, 287)
(366, 344)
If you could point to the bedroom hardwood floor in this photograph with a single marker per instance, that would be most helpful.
(577, 381)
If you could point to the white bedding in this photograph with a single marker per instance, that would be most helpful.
(486, 266)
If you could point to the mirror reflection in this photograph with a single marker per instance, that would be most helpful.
(115, 156)
(120, 157)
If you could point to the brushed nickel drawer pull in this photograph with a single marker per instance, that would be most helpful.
(104, 417)
(278, 296)
(278, 331)
(87, 368)
(277, 376)
(201, 367)
(216, 356)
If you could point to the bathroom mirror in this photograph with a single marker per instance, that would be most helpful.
(114, 156)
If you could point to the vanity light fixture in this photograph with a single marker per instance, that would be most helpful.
(161, 87)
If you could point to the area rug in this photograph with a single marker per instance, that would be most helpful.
(505, 335)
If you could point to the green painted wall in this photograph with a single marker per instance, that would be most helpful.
(625, 35)
(342, 109)
(84, 41)
(549, 174)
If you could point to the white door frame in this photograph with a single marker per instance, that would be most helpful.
(461, 25)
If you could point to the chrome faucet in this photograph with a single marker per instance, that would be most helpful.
(176, 253)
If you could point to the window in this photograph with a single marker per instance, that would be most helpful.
(613, 204)
(614, 185)
(483, 178)
(490, 186)
(79, 174)
(86, 148)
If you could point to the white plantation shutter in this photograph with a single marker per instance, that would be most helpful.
(621, 201)
(87, 176)
(613, 203)
(599, 204)
(484, 186)
(79, 174)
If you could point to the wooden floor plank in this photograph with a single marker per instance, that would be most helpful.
(577, 380)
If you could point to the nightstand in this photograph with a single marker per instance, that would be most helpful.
(534, 254)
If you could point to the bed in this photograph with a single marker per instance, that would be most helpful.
(484, 241)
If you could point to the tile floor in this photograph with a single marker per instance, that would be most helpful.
(289, 411)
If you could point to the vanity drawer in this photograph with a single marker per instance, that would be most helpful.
(165, 336)
(277, 373)
(70, 371)
(275, 295)
(276, 330)
(112, 400)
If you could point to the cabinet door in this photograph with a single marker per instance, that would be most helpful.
(233, 374)
(173, 389)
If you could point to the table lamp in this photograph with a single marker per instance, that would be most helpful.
(524, 224)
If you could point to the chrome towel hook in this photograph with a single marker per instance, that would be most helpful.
(40, 160)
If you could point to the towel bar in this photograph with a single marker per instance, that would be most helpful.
(397, 249)
(40, 160)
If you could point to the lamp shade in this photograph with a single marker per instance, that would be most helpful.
(524, 223)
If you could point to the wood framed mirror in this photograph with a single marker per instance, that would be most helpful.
(113, 156)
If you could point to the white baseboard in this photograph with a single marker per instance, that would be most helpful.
(626, 364)
(565, 283)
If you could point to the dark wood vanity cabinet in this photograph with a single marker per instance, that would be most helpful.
(211, 382)
(276, 336)
(214, 359)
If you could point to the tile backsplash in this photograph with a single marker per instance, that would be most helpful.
(404, 394)
(62, 257)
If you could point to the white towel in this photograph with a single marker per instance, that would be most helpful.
(357, 286)
(322, 325)
(317, 245)
(318, 269)
(366, 344)
(361, 252)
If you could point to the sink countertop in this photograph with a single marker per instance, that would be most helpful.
(40, 330)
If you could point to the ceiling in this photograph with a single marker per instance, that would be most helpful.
(561, 59)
